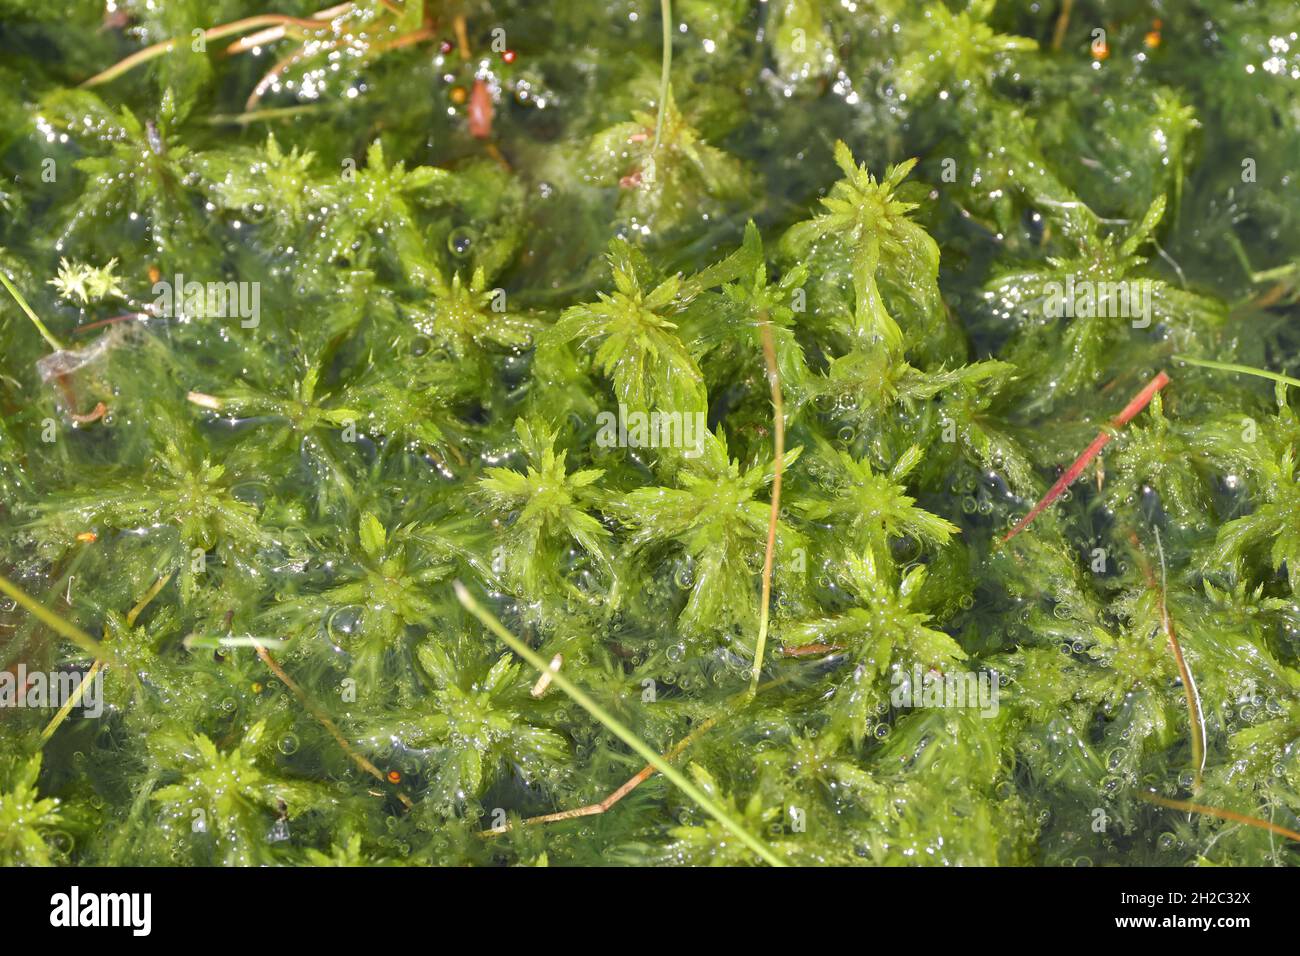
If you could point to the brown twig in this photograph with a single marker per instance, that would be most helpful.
(214, 33)
(280, 68)
(594, 809)
(409, 39)
(271, 34)
(640, 777)
(1189, 686)
(462, 36)
(288, 62)
(325, 721)
(1188, 807)
(1194, 715)
(1062, 24)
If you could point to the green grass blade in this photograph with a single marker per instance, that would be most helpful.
(665, 70)
(46, 616)
(1243, 369)
(36, 319)
(617, 729)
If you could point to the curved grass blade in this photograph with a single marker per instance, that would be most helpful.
(701, 799)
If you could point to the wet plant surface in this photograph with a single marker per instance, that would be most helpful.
(459, 433)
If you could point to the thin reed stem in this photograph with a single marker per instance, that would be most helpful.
(1188, 807)
(769, 556)
(701, 799)
(665, 69)
(46, 334)
(1242, 369)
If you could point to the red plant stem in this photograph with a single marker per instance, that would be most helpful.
(100, 323)
(1140, 401)
(70, 398)
(809, 650)
(480, 111)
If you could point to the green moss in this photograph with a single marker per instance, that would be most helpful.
(440, 321)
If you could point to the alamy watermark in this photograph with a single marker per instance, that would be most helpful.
(924, 689)
(74, 908)
(652, 430)
(1086, 299)
(209, 300)
(45, 689)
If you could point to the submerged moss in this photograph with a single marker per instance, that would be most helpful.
(435, 300)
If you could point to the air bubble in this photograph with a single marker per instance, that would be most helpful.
(460, 242)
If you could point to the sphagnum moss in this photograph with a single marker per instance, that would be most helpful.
(293, 343)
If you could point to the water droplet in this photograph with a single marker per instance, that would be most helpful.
(343, 623)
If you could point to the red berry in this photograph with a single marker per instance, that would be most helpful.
(508, 56)
(445, 46)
